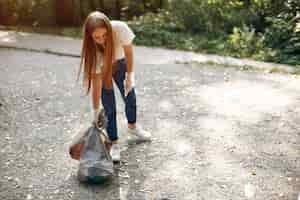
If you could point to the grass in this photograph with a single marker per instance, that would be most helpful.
(274, 69)
(238, 67)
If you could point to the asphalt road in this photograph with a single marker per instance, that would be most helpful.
(219, 133)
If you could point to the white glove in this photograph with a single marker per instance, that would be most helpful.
(129, 82)
(96, 114)
(100, 118)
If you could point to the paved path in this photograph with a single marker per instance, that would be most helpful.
(219, 133)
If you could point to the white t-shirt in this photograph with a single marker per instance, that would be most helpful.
(124, 36)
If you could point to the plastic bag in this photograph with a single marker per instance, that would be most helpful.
(90, 148)
(96, 165)
(77, 143)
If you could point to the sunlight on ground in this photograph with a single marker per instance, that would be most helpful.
(172, 175)
(165, 106)
(222, 136)
(221, 165)
(280, 149)
(123, 191)
(244, 100)
(182, 147)
(215, 125)
(168, 128)
(173, 170)
(7, 37)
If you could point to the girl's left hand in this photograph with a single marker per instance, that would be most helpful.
(100, 118)
(129, 82)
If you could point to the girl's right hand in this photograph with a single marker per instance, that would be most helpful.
(129, 82)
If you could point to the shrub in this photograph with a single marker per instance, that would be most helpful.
(245, 42)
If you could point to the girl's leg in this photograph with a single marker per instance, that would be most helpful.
(130, 103)
(109, 104)
(130, 100)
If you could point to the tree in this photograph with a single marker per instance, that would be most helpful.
(65, 12)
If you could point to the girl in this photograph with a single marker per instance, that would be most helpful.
(107, 53)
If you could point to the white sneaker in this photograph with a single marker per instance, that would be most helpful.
(115, 153)
(140, 133)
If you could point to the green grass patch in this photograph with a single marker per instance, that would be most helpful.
(275, 70)
(295, 71)
(238, 67)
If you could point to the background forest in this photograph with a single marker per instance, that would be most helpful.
(267, 30)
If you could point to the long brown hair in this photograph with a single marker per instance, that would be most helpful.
(89, 50)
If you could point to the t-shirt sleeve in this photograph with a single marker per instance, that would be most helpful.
(126, 34)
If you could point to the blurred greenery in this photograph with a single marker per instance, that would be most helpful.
(267, 30)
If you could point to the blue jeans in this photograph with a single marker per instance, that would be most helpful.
(109, 101)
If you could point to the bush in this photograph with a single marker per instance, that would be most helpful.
(283, 33)
(245, 42)
(162, 20)
(162, 29)
(157, 30)
(218, 16)
(260, 29)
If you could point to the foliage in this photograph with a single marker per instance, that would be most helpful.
(261, 29)
(245, 42)
(162, 29)
(283, 33)
(266, 30)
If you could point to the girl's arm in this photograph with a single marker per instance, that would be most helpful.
(96, 91)
(129, 76)
(128, 51)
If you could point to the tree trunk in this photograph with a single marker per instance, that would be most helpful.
(160, 4)
(118, 10)
(64, 12)
(92, 5)
(77, 18)
(82, 14)
(101, 5)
